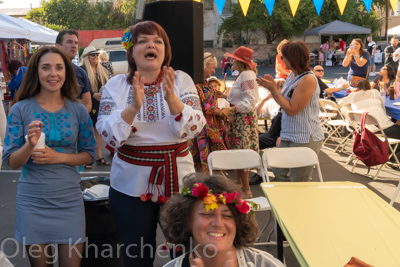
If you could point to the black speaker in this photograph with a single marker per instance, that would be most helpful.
(183, 23)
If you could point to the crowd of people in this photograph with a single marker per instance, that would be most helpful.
(161, 128)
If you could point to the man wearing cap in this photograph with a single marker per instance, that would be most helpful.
(67, 40)
(319, 73)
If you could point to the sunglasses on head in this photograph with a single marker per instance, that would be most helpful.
(319, 70)
(384, 69)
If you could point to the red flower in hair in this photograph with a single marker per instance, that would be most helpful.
(243, 207)
(200, 190)
(232, 197)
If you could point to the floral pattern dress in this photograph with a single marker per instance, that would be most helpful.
(213, 136)
(244, 95)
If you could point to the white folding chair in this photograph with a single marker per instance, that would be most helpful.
(355, 117)
(290, 157)
(239, 159)
(334, 127)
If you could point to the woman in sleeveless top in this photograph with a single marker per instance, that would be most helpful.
(300, 107)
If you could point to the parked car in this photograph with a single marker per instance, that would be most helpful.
(115, 51)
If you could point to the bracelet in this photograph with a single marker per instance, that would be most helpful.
(230, 110)
(275, 94)
(355, 56)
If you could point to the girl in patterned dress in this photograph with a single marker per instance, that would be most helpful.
(148, 116)
(213, 136)
(243, 98)
(49, 198)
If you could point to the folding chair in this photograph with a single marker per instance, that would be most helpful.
(290, 157)
(335, 127)
(355, 117)
(395, 194)
(239, 159)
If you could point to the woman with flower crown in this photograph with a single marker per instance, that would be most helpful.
(213, 225)
(147, 115)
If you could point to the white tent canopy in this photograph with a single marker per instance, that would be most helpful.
(394, 31)
(13, 28)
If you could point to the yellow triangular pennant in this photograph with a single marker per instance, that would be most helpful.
(244, 4)
(294, 4)
(393, 3)
(197, 0)
(342, 5)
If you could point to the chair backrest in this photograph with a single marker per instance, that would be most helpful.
(329, 104)
(370, 119)
(235, 160)
(351, 125)
(291, 157)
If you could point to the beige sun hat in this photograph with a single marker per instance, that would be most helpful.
(90, 50)
(221, 83)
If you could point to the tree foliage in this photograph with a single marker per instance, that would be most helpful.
(80, 15)
(282, 24)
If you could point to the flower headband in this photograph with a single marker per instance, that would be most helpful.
(210, 200)
(126, 39)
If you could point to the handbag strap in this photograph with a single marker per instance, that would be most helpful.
(363, 119)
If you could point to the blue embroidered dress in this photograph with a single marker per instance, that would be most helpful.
(49, 198)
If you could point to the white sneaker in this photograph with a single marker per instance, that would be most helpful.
(372, 74)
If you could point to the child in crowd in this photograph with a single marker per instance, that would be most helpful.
(321, 57)
(219, 85)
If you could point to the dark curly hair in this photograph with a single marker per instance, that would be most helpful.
(176, 215)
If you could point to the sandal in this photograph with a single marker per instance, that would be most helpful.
(102, 161)
(246, 193)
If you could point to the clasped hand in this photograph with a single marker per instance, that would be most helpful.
(45, 156)
(167, 87)
(268, 82)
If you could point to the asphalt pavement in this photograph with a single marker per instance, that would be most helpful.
(332, 166)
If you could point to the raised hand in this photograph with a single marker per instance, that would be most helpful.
(268, 82)
(168, 83)
(138, 91)
(34, 131)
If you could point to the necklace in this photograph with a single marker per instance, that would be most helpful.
(154, 87)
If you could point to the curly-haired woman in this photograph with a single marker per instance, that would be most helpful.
(216, 234)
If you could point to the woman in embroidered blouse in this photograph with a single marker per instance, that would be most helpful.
(220, 233)
(243, 98)
(213, 136)
(299, 101)
(49, 198)
(357, 59)
(147, 115)
(98, 77)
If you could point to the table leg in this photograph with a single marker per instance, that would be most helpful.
(279, 241)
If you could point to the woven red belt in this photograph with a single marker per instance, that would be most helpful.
(157, 156)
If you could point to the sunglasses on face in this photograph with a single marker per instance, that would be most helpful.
(94, 55)
(319, 70)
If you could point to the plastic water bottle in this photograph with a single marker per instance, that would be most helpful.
(382, 91)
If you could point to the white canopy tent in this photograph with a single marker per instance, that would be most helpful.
(394, 31)
(13, 28)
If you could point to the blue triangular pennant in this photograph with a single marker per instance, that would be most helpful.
(270, 6)
(220, 5)
(318, 5)
(368, 4)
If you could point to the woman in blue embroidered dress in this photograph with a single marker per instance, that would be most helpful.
(147, 115)
(49, 198)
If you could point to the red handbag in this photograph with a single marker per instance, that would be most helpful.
(368, 147)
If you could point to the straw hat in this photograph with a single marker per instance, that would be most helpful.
(244, 55)
(221, 83)
(90, 50)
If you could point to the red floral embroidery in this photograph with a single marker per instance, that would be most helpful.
(134, 130)
(183, 135)
(194, 127)
(104, 133)
(112, 143)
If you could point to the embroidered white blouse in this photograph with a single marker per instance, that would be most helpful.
(154, 126)
(244, 92)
